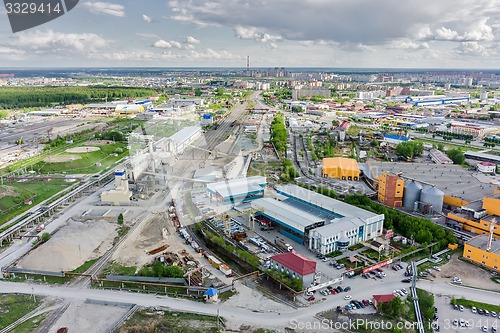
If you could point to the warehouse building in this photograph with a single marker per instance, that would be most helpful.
(340, 168)
(321, 223)
(483, 251)
(295, 265)
(237, 190)
(439, 157)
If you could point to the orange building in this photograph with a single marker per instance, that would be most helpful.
(477, 217)
(340, 168)
(390, 190)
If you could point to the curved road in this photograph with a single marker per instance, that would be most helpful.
(237, 316)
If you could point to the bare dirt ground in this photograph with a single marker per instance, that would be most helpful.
(97, 143)
(63, 158)
(85, 317)
(81, 150)
(73, 245)
(8, 191)
(471, 275)
(252, 299)
(156, 231)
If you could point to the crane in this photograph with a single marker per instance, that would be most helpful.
(226, 217)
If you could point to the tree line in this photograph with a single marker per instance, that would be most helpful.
(278, 134)
(27, 97)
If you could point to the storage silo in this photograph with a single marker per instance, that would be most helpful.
(433, 196)
(411, 194)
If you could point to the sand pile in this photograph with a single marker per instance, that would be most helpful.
(72, 246)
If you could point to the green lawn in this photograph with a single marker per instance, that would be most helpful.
(31, 325)
(13, 307)
(87, 163)
(39, 190)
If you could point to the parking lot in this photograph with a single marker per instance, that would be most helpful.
(462, 320)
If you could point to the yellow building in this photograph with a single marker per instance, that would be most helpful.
(476, 250)
(390, 190)
(341, 168)
(477, 218)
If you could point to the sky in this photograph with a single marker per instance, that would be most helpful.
(284, 33)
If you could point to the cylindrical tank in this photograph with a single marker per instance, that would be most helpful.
(433, 196)
(411, 194)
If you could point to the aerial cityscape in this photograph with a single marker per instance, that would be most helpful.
(204, 166)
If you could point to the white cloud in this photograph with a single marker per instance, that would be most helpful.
(192, 40)
(474, 49)
(49, 41)
(163, 44)
(147, 19)
(255, 34)
(106, 8)
(447, 34)
(407, 44)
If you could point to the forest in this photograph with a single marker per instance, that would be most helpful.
(28, 97)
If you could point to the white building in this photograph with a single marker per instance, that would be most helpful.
(486, 167)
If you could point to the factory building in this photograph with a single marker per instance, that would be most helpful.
(295, 265)
(129, 109)
(320, 222)
(390, 190)
(340, 168)
(471, 155)
(477, 216)
(177, 143)
(483, 250)
(439, 157)
(237, 190)
(476, 130)
(121, 193)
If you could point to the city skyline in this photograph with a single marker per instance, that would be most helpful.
(308, 33)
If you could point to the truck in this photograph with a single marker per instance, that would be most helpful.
(281, 244)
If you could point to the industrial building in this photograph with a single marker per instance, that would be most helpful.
(295, 265)
(474, 129)
(340, 168)
(471, 155)
(322, 223)
(434, 100)
(237, 190)
(129, 109)
(207, 119)
(439, 157)
(477, 216)
(483, 250)
(459, 185)
(486, 167)
(121, 193)
(177, 143)
(390, 190)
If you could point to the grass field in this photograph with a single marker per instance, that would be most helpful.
(39, 190)
(13, 307)
(87, 163)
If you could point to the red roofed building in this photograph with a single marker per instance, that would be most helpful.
(378, 299)
(295, 265)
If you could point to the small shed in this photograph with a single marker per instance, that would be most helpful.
(211, 295)
(378, 299)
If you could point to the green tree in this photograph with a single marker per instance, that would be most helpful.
(120, 219)
(456, 155)
(440, 146)
(409, 149)
(45, 237)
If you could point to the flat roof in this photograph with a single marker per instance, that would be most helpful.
(287, 214)
(452, 179)
(340, 162)
(481, 242)
(319, 200)
(238, 186)
(492, 157)
(185, 133)
(339, 225)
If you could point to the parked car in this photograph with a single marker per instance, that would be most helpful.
(348, 288)
(493, 314)
(474, 309)
(347, 297)
(406, 280)
(365, 302)
(311, 298)
(461, 307)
